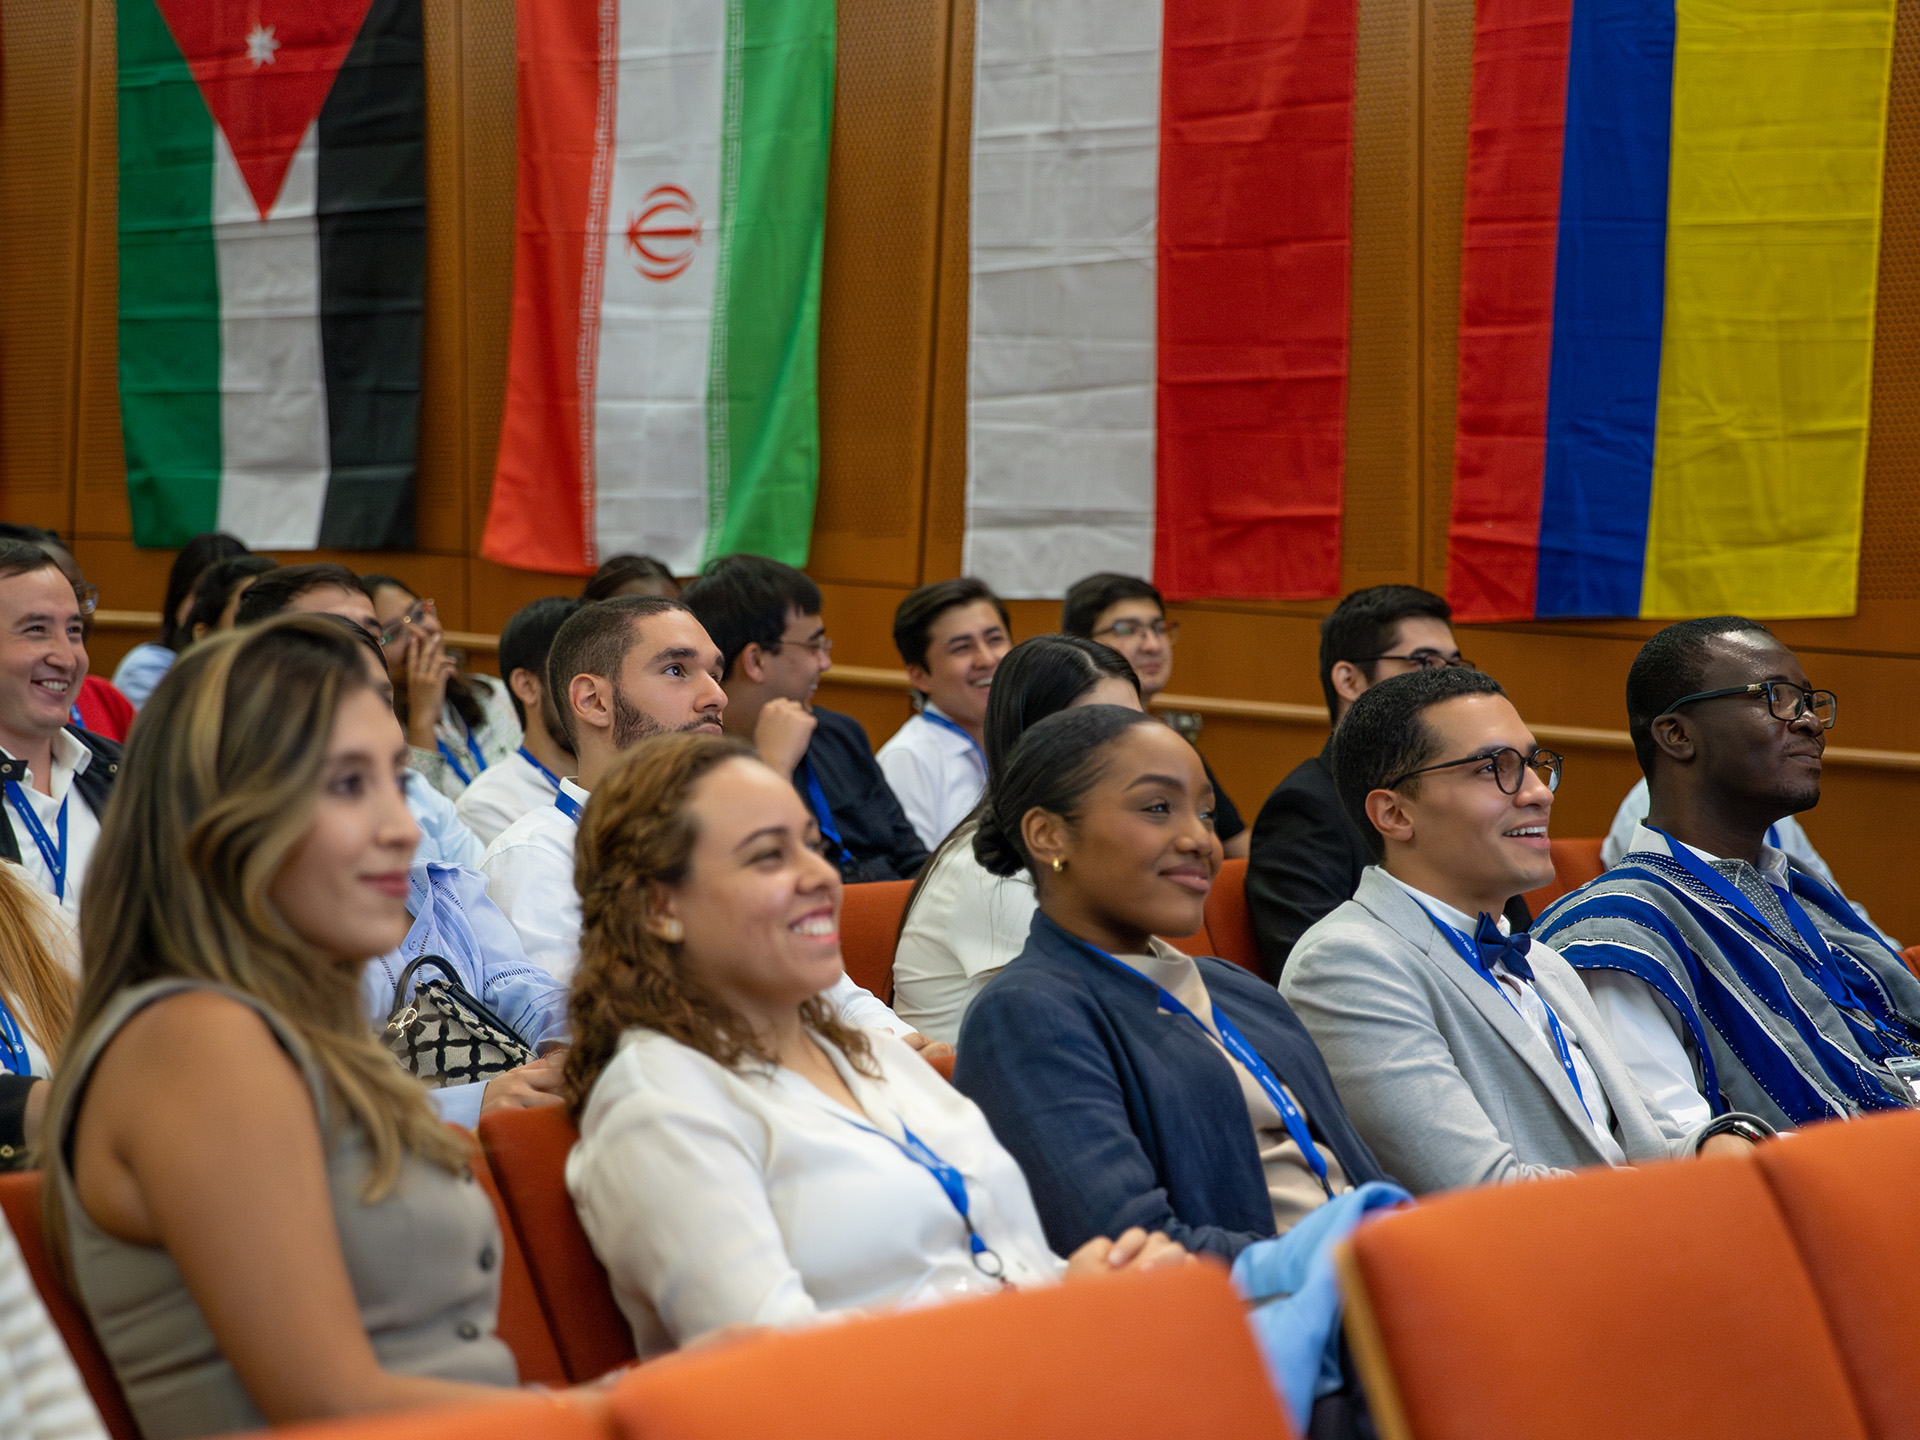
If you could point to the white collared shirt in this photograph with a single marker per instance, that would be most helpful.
(70, 758)
(501, 794)
(965, 926)
(1533, 1008)
(529, 871)
(937, 775)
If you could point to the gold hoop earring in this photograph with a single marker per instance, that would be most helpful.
(1058, 864)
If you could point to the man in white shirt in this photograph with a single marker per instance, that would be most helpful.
(55, 776)
(530, 777)
(951, 635)
(620, 671)
(1728, 972)
(1464, 1053)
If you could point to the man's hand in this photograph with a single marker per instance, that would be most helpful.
(534, 1084)
(1726, 1147)
(929, 1048)
(782, 734)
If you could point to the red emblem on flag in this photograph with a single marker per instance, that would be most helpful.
(664, 232)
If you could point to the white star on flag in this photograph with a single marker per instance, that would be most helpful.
(261, 45)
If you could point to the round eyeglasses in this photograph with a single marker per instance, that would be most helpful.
(1424, 660)
(416, 614)
(1507, 766)
(1785, 701)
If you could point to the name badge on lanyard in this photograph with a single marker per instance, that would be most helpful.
(54, 855)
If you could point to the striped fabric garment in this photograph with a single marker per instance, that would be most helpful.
(41, 1394)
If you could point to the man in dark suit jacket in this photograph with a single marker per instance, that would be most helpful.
(1307, 853)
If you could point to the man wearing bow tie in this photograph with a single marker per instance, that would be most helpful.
(1464, 1053)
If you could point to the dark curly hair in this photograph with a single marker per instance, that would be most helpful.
(637, 829)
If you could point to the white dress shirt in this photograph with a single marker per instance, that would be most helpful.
(1525, 999)
(529, 871)
(717, 1197)
(70, 758)
(965, 925)
(937, 775)
(503, 792)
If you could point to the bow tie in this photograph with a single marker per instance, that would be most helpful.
(1494, 947)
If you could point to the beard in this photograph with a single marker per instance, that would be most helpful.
(631, 724)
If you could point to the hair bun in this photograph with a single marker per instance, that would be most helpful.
(994, 848)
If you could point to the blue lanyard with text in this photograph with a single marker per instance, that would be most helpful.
(473, 749)
(1470, 953)
(545, 774)
(934, 717)
(951, 1181)
(15, 1057)
(55, 857)
(822, 813)
(1237, 1046)
(567, 805)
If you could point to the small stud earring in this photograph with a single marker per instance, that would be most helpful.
(671, 930)
(1058, 864)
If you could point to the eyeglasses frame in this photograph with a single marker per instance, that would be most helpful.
(1805, 708)
(1526, 763)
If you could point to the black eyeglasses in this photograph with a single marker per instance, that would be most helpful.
(1424, 660)
(1168, 630)
(1507, 764)
(1797, 700)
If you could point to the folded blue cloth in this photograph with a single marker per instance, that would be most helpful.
(1299, 1333)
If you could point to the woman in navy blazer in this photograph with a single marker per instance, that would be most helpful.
(1121, 1111)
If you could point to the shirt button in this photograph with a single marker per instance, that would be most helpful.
(486, 1258)
(468, 1330)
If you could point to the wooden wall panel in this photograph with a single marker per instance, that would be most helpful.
(1446, 85)
(946, 507)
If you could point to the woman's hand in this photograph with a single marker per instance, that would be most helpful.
(529, 1087)
(429, 667)
(1136, 1249)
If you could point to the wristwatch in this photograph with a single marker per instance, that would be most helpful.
(1746, 1127)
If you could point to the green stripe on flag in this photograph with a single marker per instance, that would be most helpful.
(169, 287)
(763, 413)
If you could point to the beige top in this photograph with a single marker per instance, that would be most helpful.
(423, 1262)
(1291, 1184)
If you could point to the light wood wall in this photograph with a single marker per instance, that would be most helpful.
(893, 386)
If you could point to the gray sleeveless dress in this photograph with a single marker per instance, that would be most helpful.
(423, 1261)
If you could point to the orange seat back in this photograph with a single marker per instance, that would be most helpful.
(1668, 1300)
(870, 916)
(1912, 956)
(511, 1417)
(1198, 943)
(20, 1200)
(1846, 1190)
(528, 1152)
(1051, 1362)
(1575, 862)
(1229, 921)
(523, 1321)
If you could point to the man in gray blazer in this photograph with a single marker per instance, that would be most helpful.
(1464, 1053)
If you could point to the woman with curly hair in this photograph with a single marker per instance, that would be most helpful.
(746, 1156)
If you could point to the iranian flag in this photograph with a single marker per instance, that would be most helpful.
(272, 245)
(662, 383)
(1161, 226)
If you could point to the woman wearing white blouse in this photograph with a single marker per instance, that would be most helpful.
(746, 1157)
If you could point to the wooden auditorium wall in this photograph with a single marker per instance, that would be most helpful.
(893, 391)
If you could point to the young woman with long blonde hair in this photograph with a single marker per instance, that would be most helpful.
(36, 1007)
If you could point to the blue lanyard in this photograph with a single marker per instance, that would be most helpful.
(933, 717)
(74, 713)
(567, 805)
(473, 749)
(545, 774)
(1237, 1046)
(56, 858)
(1471, 954)
(951, 1181)
(822, 813)
(16, 1045)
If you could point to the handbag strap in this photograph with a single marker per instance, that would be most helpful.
(459, 992)
(405, 982)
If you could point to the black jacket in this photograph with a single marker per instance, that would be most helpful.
(879, 841)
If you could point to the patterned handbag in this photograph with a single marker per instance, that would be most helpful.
(444, 1035)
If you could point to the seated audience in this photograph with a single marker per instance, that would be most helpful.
(1465, 1052)
(951, 635)
(266, 1221)
(1134, 1084)
(38, 963)
(746, 1156)
(1727, 973)
(140, 668)
(457, 725)
(216, 596)
(530, 777)
(1127, 613)
(620, 671)
(631, 575)
(1307, 851)
(962, 924)
(325, 589)
(765, 617)
(98, 708)
(55, 776)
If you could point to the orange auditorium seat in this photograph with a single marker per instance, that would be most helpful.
(870, 916)
(1575, 862)
(1229, 921)
(528, 1152)
(1198, 943)
(523, 1323)
(1131, 1357)
(1846, 1190)
(1912, 956)
(513, 1416)
(1668, 1300)
(20, 1199)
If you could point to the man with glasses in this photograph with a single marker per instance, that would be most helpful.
(765, 619)
(1126, 613)
(1728, 973)
(1307, 854)
(1464, 1052)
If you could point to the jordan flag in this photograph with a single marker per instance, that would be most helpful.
(272, 244)
(662, 385)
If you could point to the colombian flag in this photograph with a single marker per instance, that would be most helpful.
(1672, 232)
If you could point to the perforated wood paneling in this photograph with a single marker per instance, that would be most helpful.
(1447, 47)
(947, 440)
(100, 459)
(489, 131)
(442, 485)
